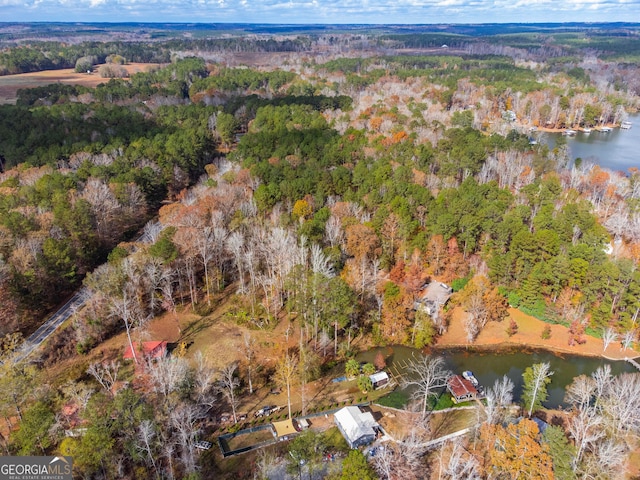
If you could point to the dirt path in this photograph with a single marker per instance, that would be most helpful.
(529, 335)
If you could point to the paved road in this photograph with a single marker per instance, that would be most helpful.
(52, 323)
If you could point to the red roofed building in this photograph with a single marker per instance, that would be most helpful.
(154, 350)
(461, 389)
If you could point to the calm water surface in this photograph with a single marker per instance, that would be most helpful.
(616, 150)
(488, 367)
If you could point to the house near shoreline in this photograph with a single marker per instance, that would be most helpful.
(435, 296)
(461, 389)
(379, 380)
(358, 428)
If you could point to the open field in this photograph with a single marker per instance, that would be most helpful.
(529, 334)
(10, 84)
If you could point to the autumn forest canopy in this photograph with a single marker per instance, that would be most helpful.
(321, 179)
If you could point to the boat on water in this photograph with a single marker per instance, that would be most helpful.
(468, 375)
(625, 125)
(605, 129)
(586, 131)
(568, 132)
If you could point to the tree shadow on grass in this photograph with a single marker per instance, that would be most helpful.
(194, 328)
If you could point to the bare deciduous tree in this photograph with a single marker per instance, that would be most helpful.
(127, 309)
(319, 262)
(249, 349)
(585, 429)
(580, 391)
(383, 462)
(628, 339)
(204, 383)
(228, 383)
(167, 374)
(235, 244)
(78, 393)
(105, 373)
(427, 375)
(184, 419)
(145, 440)
(621, 403)
(609, 336)
(499, 397)
(455, 462)
(333, 232)
(285, 373)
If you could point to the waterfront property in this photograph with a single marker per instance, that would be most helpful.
(357, 427)
(379, 380)
(436, 295)
(461, 389)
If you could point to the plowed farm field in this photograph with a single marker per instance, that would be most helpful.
(10, 84)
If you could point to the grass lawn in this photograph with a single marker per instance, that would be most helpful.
(452, 421)
(335, 441)
(248, 439)
(396, 399)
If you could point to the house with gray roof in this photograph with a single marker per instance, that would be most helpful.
(357, 427)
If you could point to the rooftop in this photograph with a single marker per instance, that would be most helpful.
(378, 377)
(355, 423)
(437, 292)
(460, 386)
(155, 349)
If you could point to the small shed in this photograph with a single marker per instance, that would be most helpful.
(379, 380)
(357, 428)
(461, 389)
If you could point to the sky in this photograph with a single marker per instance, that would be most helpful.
(321, 11)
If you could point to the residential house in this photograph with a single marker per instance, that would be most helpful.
(435, 296)
(147, 350)
(358, 428)
(461, 389)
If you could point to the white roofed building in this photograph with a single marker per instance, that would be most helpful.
(357, 428)
(379, 380)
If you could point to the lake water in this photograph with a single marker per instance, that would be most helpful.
(616, 150)
(488, 367)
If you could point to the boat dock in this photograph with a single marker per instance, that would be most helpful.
(633, 362)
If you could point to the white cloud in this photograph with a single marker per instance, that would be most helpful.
(319, 11)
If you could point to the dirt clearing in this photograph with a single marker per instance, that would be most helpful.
(529, 334)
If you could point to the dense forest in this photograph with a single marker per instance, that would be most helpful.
(321, 193)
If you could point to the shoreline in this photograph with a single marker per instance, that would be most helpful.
(577, 129)
(528, 336)
(526, 348)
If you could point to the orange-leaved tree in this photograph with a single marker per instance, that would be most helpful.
(515, 452)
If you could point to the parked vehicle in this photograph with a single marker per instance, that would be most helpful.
(267, 410)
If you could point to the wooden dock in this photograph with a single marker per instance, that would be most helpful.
(633, 362)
